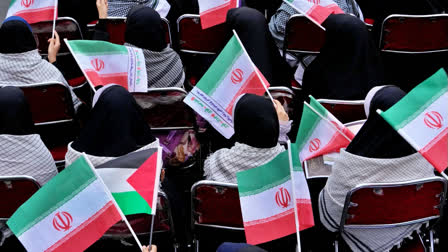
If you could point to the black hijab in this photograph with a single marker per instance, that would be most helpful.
(252, 29)
(256, 122)
(144, 29)
(348, 65)
(16, 36)
(15, 114)
(376, 138)
(116, 126)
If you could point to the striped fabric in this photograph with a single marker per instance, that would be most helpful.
(267, 200)
(120, 8)
(26, 155)
(215, 12)
(33, 11)
(69, 213)
(231, 75)
(421, 118)
(105, 63)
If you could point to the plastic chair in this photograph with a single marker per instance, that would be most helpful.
(170, 118)
(310, 40)
(53, 115)
(14, 191)
(194, 40)
(215, 205)
(345, 110)
(141, 223)
(414, 34)
(387, 205)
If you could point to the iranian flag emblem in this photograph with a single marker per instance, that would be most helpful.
(33, 11)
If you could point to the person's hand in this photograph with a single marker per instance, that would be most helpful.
(282, 115)
(102, 6)
(146, 249)
(162, 175)
(54, 44)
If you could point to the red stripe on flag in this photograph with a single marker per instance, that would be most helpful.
(144, 180)
(90, 231)
(336, 142)
(320, 13)
(280, 225)
(104, 79)
(217, 15)
(37, 15)
(436, 152)
(253, 85)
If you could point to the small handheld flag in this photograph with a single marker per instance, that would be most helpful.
(215, 12)
(69, 213)
(232, 74)
(33, 11)
(105, 63)
(421, 118)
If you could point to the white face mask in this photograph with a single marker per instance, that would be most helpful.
(369, 98)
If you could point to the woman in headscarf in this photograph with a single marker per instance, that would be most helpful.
(115, 128)
(376, 154)
(20, 62)
(348, 65)
(277, 27)
(257, 132)
(144, 30)
(22, 151)
(251, 27)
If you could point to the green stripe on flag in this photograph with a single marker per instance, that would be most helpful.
(12, 2)
(220, 67)
(62, 188)
(264, 177)
(308, 123)
(416, 101)
(296, 164)
(131, 203)
(96, 48)
(318, 107)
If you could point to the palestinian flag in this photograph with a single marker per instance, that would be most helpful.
(316, 10)
(215, 12)
(233, 73)
(105, 63)
(33, 11)
(421, 117)
(69, 213)
(135, 190)
(267, 200)
(317, 136)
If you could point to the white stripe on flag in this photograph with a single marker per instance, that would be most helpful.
(205, 5)
(17, 6)
(86, 203)
(417, 129)
(226, 91)
(264, 203)
(323, 132)
(106, 64)
(301, 186)
(115, 179)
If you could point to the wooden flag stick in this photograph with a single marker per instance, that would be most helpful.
(303, 13)
(296, 212)
(255, 67)
(123, 217)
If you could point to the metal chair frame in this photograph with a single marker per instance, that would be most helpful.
(6, 179)
(196, 19)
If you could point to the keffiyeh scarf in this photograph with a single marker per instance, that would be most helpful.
(120, 8)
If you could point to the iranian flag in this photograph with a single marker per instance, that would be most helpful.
(33, 11)
(105, 63)
(316, 10)
(69, 213)
(320, 132)
(162, 7)
(215, 12)
(421, 117)
(232, 74)
(267, 200)
(133, 180)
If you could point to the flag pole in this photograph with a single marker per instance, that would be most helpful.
(156, 192)
(152, 229)
(328, 121)
(296, 212)
(303, 13)
(54, 17)
(255, 67)
(123, 217)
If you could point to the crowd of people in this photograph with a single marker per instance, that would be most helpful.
(349, 66)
